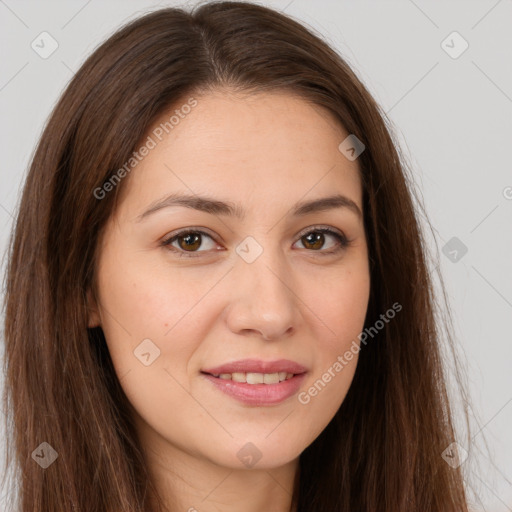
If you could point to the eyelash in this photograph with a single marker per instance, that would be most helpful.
(342, 241)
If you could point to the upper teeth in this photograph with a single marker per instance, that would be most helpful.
(256, 378)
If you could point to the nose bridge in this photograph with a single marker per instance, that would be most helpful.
(265, 300)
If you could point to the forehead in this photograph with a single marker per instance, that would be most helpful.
(273, 146)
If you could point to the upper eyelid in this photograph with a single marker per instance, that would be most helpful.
(186, 231)
(319, 227)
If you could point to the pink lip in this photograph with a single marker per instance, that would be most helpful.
(258, 394)
(258, 366)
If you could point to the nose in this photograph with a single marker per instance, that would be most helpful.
(263, 300)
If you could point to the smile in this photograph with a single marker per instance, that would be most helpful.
(256, 382)
(256, 378)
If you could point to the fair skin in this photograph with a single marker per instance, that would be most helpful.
(265, 152)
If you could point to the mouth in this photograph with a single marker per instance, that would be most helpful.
(254, 378)
(255, 382)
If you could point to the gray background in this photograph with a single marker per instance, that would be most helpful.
(453, 117)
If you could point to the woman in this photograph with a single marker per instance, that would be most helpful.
(217, 293)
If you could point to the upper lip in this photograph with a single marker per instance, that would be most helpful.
(258, 366)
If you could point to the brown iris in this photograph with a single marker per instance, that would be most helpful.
(192, 241)
(314, 239)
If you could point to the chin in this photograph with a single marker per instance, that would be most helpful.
(259, 453)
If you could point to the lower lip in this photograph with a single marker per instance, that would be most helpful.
(258, 394)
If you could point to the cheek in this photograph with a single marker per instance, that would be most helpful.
(342, 308)
(147, 318)
(140, 303)
(141, 296)
(341, 303)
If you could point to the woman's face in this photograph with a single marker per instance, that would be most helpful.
(255, 279)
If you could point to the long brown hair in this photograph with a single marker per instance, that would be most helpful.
(382, 450)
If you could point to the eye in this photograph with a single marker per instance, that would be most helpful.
(188, 241)
(314, 239)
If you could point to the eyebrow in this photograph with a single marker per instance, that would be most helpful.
(216, 207)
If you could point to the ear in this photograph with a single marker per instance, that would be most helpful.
(93, 319)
